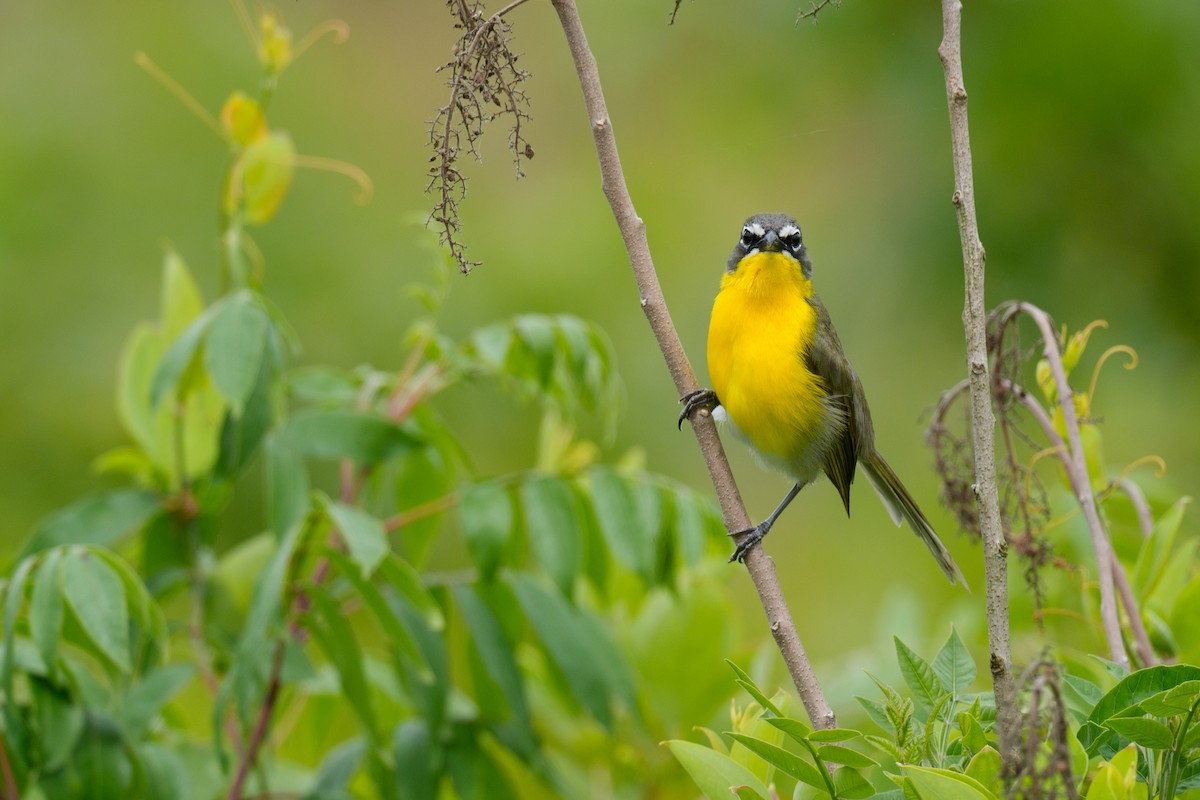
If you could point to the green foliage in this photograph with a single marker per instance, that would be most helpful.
(772, 748)
(153, 648)
(1156, 712)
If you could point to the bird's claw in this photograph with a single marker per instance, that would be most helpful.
(696, 399)
(748, 541)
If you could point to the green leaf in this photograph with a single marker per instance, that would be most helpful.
(837, 754)
(943, 784)
(497, 655)
(693, 515)
(485, 513)
(393, 626)
(96, 595)
(142, 608)
(1174, 701)
(715, 773)
(536, 333)
(325, 386)
(920, 677)
(613, 665)
(339, 433)
(616, 513)
(99, 519)
(164, 773)
(101, 762)
(552, 518)
(46, 607)
(287, 487)
(1157, 551)
(876, 711)
(337, 768)
(179, 356)
(181, 299)
(261, 177)
(1081, 693)
(850, 784)
(145, 699)
(425, 477)
(401, 576)
(794, 728)
(1142, 731)
(233, 352)
(267, 601)
(336, 638)
(1118, 701)
(972, 732)
(363, 533)
(789, 763)
(986, 766)
(833, 735)
(416, 756)
(746, 682)
(242, 434)
(954, 666)
(558, 627)
(1185, 622)
(15, 599)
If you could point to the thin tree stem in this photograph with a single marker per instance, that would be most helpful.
(1138, 498)
(261, 725)
(1081, 484)
(1141, 638)
(633, 232)
(995, 550)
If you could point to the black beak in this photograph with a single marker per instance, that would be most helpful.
(770, 243)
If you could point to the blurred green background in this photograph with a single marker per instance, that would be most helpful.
(1085, 121)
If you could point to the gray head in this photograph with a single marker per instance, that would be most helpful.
(771, 233)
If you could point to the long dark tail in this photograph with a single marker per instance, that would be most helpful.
(902, 507)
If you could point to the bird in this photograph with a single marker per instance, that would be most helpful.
(782, 383)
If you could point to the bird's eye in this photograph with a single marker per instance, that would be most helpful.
(748, 237)
(792, 240)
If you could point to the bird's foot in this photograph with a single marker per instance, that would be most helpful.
(749, 539)
(696, 399)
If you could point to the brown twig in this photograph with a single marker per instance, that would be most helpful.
(482, 59)
(1033, 782)
(983, 422)
(815, 8)
(261, 725)
(1141, 637)
(1140, 506)
(409, 516)
(1077, 473)
(10, 784)
(633, 233)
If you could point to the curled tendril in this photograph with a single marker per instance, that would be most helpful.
(366, 189)
(1159, 464)
(335, 27)
(1117, 348)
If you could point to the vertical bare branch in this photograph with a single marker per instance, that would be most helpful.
(983, 423)
(1141, 638)
(1081, 485)
(633, 232)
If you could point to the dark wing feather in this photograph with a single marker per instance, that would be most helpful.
(845, 398)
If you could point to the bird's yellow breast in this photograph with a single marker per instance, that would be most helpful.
(761, 328)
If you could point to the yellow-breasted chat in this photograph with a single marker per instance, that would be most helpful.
(782, 383)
